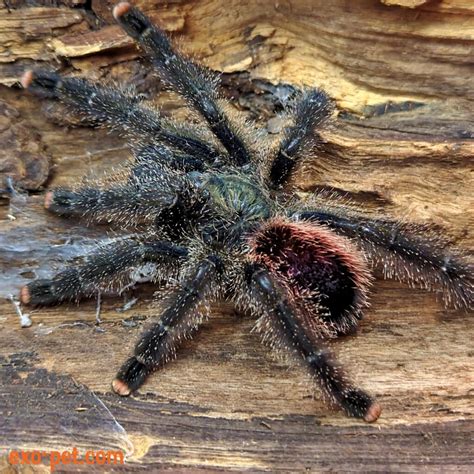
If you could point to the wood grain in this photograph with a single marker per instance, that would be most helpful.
(401, 74)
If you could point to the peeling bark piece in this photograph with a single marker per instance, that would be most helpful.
(405, 3)
(22, 155)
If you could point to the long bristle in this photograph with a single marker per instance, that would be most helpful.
(448, 275)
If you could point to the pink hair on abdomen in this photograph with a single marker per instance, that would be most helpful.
(321, 270)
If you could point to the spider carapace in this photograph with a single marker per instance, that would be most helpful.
(214, 212)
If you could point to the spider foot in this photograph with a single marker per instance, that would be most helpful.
(27, 78)
(121, 9)
(130, 377)
(59, 201)
(64, 202)
(360, 405)
(38, 292)
(45, 84)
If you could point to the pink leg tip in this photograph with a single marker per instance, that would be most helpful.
(121, 388)
(27, 79)
(373, 413)
(121, 9)
(25, 296)
(48, 199)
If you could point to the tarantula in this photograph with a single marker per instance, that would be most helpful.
(214, 213)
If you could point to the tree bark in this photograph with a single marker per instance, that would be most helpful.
(402, 76)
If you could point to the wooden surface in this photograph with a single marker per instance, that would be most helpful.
(401, 73)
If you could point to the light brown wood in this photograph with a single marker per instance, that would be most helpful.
(403, 144)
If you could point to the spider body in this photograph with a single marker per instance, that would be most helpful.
(211, 213)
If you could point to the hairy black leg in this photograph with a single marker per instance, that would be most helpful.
(406, 252)
(139, 200)
(116, 109)
(194, 83)
(158, 344)
(125, 204)
(312, 109)
(99, 267)
(149, 155)
(290, 331)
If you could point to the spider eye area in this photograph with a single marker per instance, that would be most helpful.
(322, 271)
(236, 196)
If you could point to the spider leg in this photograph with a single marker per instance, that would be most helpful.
(195, 84)
(158, 344)
(116, 109)
(289, 330)
(149, 155)
(99, 267)
(312, 109)
(170, 206)
(126, 203)
(407, 253)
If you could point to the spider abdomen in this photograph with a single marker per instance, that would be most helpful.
(322, 271)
